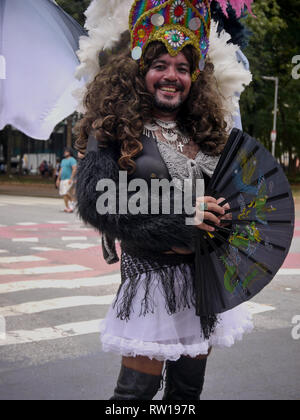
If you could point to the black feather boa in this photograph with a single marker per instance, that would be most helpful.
(232, 25)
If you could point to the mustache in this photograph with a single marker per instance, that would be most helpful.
(175, 85)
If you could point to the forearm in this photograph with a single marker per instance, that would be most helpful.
(73, 175)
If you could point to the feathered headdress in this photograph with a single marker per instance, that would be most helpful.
(108, 19)
(176, 24)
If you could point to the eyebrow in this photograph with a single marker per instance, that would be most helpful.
(159, 61)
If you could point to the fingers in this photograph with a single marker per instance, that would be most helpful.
(207, 228)
(206, 199)
(212, 206)
(212, 218)
(226, 207)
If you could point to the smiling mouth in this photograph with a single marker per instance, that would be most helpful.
(169, 89)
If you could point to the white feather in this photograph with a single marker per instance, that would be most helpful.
(106, 20)
(231, 76)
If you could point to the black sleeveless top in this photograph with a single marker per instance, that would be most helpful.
(149, 163)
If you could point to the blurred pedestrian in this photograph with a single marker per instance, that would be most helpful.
(65, 179)
(56, 173)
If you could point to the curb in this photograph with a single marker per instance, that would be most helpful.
(30, 190)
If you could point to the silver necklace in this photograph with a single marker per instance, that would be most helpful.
(170, 133)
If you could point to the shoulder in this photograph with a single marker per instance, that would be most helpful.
(73, 161)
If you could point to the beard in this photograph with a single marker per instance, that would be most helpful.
(166, 107)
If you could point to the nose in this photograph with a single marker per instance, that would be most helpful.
(171, 74)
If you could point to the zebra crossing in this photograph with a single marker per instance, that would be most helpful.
(58, 277)
(71, 329)
(37, 308)
(81, 299)
(57, 284)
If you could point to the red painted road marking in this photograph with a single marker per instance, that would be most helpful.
(44, 231)
(90, 258)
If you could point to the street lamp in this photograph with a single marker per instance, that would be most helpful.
(274, 132)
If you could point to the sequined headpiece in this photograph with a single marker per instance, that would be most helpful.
(175, 23)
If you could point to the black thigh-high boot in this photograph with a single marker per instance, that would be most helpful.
(135, 385)
(184, 379)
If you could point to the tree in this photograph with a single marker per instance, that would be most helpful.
(75, 8)
(274, 43)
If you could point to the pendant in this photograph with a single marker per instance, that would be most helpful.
(180, 146)
(171, 136)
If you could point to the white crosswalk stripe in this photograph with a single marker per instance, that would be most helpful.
(27, 258)
(51, 304)
(21, 286)
(44, 249)
(43, 270)
(81, 246)
(25, 239)
(26, 224)
(257, 308)
(289, 272)
(51, 333)
(74, 238)
(57, 222)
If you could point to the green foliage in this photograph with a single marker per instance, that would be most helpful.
(275, 41)
(75, 8)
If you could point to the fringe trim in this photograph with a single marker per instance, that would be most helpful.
(176, 283)
(163, 278)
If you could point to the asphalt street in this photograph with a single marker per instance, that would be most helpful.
(55, 288)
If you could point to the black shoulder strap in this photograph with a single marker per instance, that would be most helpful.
(92, 145)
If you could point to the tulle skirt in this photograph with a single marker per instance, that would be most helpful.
(160, 335)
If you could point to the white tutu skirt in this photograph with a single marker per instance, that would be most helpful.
(161, 336)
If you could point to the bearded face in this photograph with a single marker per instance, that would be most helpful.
(169, 80)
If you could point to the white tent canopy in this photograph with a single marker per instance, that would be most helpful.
(38, 41)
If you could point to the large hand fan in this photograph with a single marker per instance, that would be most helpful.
(237, 261)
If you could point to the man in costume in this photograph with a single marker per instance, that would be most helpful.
(161, 110)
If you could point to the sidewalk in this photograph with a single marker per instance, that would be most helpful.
(30, 190)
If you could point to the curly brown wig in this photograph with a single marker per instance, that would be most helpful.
(118, 105)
